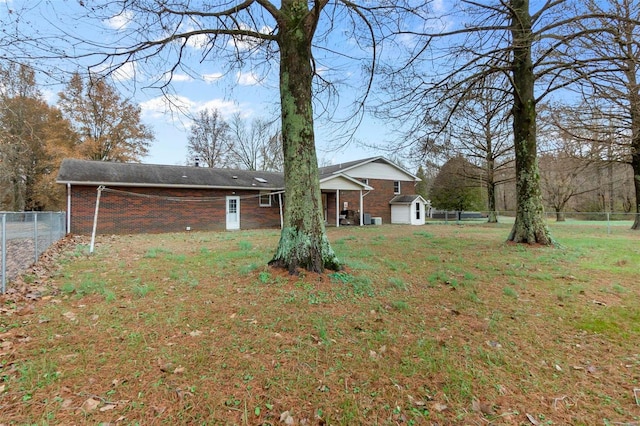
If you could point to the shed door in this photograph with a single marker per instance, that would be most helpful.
(233, 213)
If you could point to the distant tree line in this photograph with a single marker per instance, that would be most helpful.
(239, 144)
(90, 121)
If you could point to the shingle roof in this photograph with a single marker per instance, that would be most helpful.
(339, 168)
(345, 167)
(134, 174)
(405, 199)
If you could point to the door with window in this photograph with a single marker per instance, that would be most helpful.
(233, 212)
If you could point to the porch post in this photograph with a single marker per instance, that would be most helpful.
(361, 211)
(337, 207)
(281, 215)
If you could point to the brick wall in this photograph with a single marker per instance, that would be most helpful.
(124, 213)
(375, 203)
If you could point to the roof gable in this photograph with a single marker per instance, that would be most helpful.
(343, 182)
(407, 199)
(370, 168)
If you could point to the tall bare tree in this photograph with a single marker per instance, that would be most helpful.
(532, 48)
(610, 52)
(208, 139)
(109, 127)
(563, 178)
(481, 133)
(256, 145)
(298, 35)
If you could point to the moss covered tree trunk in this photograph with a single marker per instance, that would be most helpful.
(303, 241)
(635, 164)
(634, 86)
(529, 226)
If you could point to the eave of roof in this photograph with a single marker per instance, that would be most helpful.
(145, 185)
(349, 178)
(84, 172)
(406, 199)
(343, 167)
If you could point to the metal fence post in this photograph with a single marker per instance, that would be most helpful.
(35, 237)
(4, 252)
(95, 219)
(50, 229)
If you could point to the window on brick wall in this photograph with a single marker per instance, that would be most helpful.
(265, 199)
(396, 187)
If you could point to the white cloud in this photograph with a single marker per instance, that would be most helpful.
(125, 72)
(119, 22)
(226, 108)
(266, 29)
(50, 96)
(211, 78)
(118, 72)
(180, 78)
(438, 6)
(173, 108)
(247, 79)
(321, 70)
(198, 41)
(164, 106)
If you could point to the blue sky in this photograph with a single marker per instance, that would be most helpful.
(253, 94)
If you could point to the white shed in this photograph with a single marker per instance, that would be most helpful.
(408, 209)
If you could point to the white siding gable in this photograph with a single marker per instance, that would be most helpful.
(340, 182)
(376, 170)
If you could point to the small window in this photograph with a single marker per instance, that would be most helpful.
(365, 181)
(396, 187)
(417, 211)
(265, 199)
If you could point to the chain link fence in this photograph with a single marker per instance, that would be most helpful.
(607, 222)
(24, 236)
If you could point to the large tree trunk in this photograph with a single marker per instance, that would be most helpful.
(634, 99)
(303, 241)
(491, 191)
(635, 164)
(529, 226)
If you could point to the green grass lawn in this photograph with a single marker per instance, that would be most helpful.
(438, 324)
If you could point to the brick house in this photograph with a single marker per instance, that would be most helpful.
(138, 198)
(147, 198)
(386, 180)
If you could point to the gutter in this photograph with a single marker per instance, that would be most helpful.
(181, 186)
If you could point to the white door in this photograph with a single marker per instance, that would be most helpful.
(233, 213)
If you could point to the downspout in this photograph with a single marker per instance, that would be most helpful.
(361, 206)
(337, 208)
(361, 210)
(281, 217)
(68, 208)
